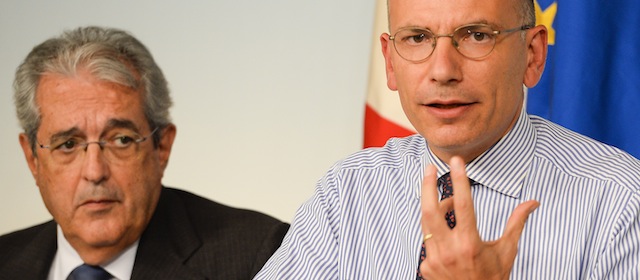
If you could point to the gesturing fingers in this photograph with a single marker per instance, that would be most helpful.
(431, 214)
(462, 200)
(459, 252)
(516, 221)
(507, 245)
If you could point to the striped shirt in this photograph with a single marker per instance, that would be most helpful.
(363, 221)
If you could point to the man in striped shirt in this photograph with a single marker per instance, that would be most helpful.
(459, 67)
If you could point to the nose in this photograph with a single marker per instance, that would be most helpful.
(95, 167)
(445, 61)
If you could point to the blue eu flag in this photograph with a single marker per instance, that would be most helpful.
(591, 82)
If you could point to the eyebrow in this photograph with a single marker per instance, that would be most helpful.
(111, 124)
(64, 134)
(422, 27)
(121, 123)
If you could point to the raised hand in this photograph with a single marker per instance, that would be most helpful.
(459, 253)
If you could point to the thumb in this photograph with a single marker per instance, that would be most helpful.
(516, 221)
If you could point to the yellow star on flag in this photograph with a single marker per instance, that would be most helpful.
(546, 18)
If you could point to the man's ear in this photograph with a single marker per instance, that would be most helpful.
(386, 52)
(536, 55)
(165, 143)
(32, 159)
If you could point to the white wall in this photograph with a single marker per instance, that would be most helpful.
(268, 94)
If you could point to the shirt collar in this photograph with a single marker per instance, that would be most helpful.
(67, 259)
(504, 166)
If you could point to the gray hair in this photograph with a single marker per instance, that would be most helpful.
(108, 54)
(528, 12)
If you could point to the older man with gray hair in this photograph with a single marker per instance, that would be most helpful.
(94, 107)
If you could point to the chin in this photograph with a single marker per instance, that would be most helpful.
(102, 234)
(447, 136)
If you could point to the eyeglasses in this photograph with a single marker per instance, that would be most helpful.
(118, 146)
(473, 41)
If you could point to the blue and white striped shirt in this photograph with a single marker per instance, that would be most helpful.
(363, 222)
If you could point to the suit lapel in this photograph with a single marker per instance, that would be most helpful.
(34, 259)
(167, 243)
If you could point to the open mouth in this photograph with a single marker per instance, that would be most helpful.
(448, 106)
(449, 110)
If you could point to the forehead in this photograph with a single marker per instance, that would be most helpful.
(86, 103)
(445, 15)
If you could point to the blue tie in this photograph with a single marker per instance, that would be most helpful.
(89, 272)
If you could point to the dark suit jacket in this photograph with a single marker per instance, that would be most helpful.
(188, 237)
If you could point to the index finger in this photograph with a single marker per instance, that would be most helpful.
(462, 199)
(432, 216)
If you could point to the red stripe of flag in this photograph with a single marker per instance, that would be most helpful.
(377, 129)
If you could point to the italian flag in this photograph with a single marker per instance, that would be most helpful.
(383, 117)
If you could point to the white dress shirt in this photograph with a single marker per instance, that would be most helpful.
(363, 222)
(67, 259)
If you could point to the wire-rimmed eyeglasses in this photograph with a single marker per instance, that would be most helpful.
(473, 41)
(119, 145)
